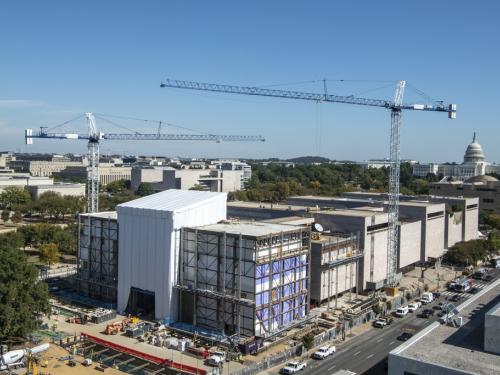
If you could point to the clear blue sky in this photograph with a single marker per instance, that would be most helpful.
(61, 58)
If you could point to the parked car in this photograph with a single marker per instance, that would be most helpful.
(412, 307)
(436, 295)
(487, 278)
(324, 352)
(456, 298)
(478, 275)
(427, 313)
(293, 367)
(380, 323)
(405, 336)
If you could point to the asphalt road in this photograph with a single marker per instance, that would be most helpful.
(367, 353)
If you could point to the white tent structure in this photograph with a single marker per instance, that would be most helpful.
(148, 246)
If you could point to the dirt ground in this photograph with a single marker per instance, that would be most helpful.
(57, 367)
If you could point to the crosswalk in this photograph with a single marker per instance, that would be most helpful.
(448, 293)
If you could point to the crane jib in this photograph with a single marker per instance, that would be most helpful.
(257, 91)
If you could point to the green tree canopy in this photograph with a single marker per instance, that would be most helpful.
(144, 189)
(49, 253)
(23, 299)
(13, 197)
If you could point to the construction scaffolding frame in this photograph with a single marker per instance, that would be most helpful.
(97, 275)
(337, 250)
(238, 284)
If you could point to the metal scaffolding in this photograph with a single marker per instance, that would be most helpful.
(239, 285)
(97, 275)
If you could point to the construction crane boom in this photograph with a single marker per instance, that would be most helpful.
(149, 137)
(395, 106)
(94, 137)
(256, 91)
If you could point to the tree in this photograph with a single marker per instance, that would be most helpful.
(5, 215)
(197, 187)
(49, 253)
(388, 305)
(426, 287)
(145, 189)
(23, 299)
(117, 187)
(377, 309)
(29, 234)
(17, 217)
(408, 296)
(308, 341)
(13, 196)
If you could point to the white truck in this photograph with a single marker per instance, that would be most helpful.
(401, 311)
(412, 307)
(426, 298)
(216, 359)
(293, 367)
(324, 352)
(15, 358)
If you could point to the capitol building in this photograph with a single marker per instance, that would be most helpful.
(474, 164)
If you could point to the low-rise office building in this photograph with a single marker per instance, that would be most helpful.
(107, 173)
(65, 189)
(22, 180)
(214, 180)
(485, 188)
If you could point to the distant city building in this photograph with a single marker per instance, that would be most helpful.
(45, 165)
(22, 180)
(486, 188)
(228, 177)
(474, 164)
(65, 189)
(107, 173)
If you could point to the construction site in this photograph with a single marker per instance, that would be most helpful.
(181, 281)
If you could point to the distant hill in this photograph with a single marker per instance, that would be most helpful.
(308, 160)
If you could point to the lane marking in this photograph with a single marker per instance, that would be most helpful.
(379, 340)
(371, 355)
(331, 368)
(392, 342)
(357, 353)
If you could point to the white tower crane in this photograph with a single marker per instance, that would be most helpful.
(395, 106)
(94, 137)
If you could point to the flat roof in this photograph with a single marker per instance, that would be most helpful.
(495, 311)
(268, 206)
(331, 239)
(351, 212)
(102, 215)
(249, 228)
(458, 348)
(172, 200)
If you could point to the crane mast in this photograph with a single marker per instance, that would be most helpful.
(93, 136)
(395, 106)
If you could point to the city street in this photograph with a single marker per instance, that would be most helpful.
(366, 353)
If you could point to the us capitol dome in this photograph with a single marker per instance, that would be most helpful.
(474, 164)
(474, 152)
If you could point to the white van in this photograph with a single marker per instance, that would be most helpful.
(412, 307)
(402, 311)
(426, 298)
